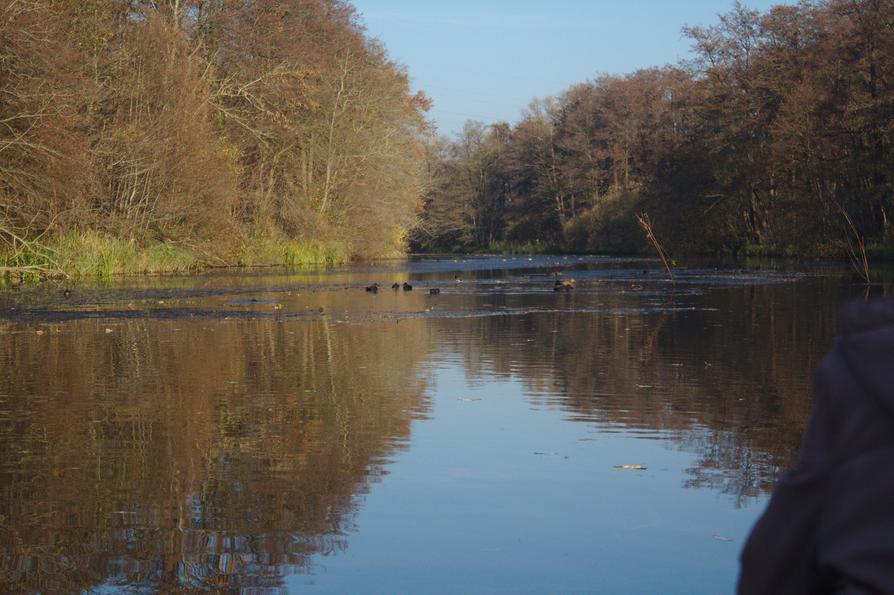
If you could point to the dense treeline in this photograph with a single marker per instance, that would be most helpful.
(776, 134)
(218, 126)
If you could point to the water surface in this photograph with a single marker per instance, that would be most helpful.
(292, 431)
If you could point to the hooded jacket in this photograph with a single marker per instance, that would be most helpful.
(829, 526)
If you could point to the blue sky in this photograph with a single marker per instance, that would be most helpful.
(487, 59)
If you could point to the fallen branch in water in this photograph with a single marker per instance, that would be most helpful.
(646, 223)
(25, 253)
(26, 269)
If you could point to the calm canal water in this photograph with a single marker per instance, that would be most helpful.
(273, 431)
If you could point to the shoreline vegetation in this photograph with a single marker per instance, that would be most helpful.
(170, 136)
(832, 251)
(92, 254)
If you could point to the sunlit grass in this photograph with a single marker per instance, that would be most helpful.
(293, 253)
(96, 254)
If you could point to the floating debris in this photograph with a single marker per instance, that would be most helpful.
(468, 399)
(722, 538)
(631, 467)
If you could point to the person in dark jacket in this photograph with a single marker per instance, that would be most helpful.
(829, 526)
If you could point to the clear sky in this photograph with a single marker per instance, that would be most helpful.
(486, 59)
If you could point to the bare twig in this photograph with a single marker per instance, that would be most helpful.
(856, 247)
(646, 223)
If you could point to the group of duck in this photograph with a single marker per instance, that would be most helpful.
(559, 285)
(374, 288)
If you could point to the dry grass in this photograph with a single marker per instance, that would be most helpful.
(293, 253)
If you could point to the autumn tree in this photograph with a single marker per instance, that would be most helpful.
(214, 124)
(775, 136)
(44, 175)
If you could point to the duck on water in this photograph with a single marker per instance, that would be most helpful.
(563, 285)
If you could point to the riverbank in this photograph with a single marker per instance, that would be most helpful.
(94, 254)
(821, 251)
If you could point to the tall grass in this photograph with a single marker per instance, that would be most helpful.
(293, 253)
(96, 254)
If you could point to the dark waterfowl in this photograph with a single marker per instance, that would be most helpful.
(66, 292)
(407, 286)
(434, 291)
(395, 286)
(457, 278)
(374, 288)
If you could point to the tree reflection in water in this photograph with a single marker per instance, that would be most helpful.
(180, 454)
(728, 380)
(213, 453)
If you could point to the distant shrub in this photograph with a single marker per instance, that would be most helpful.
(536, 247)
